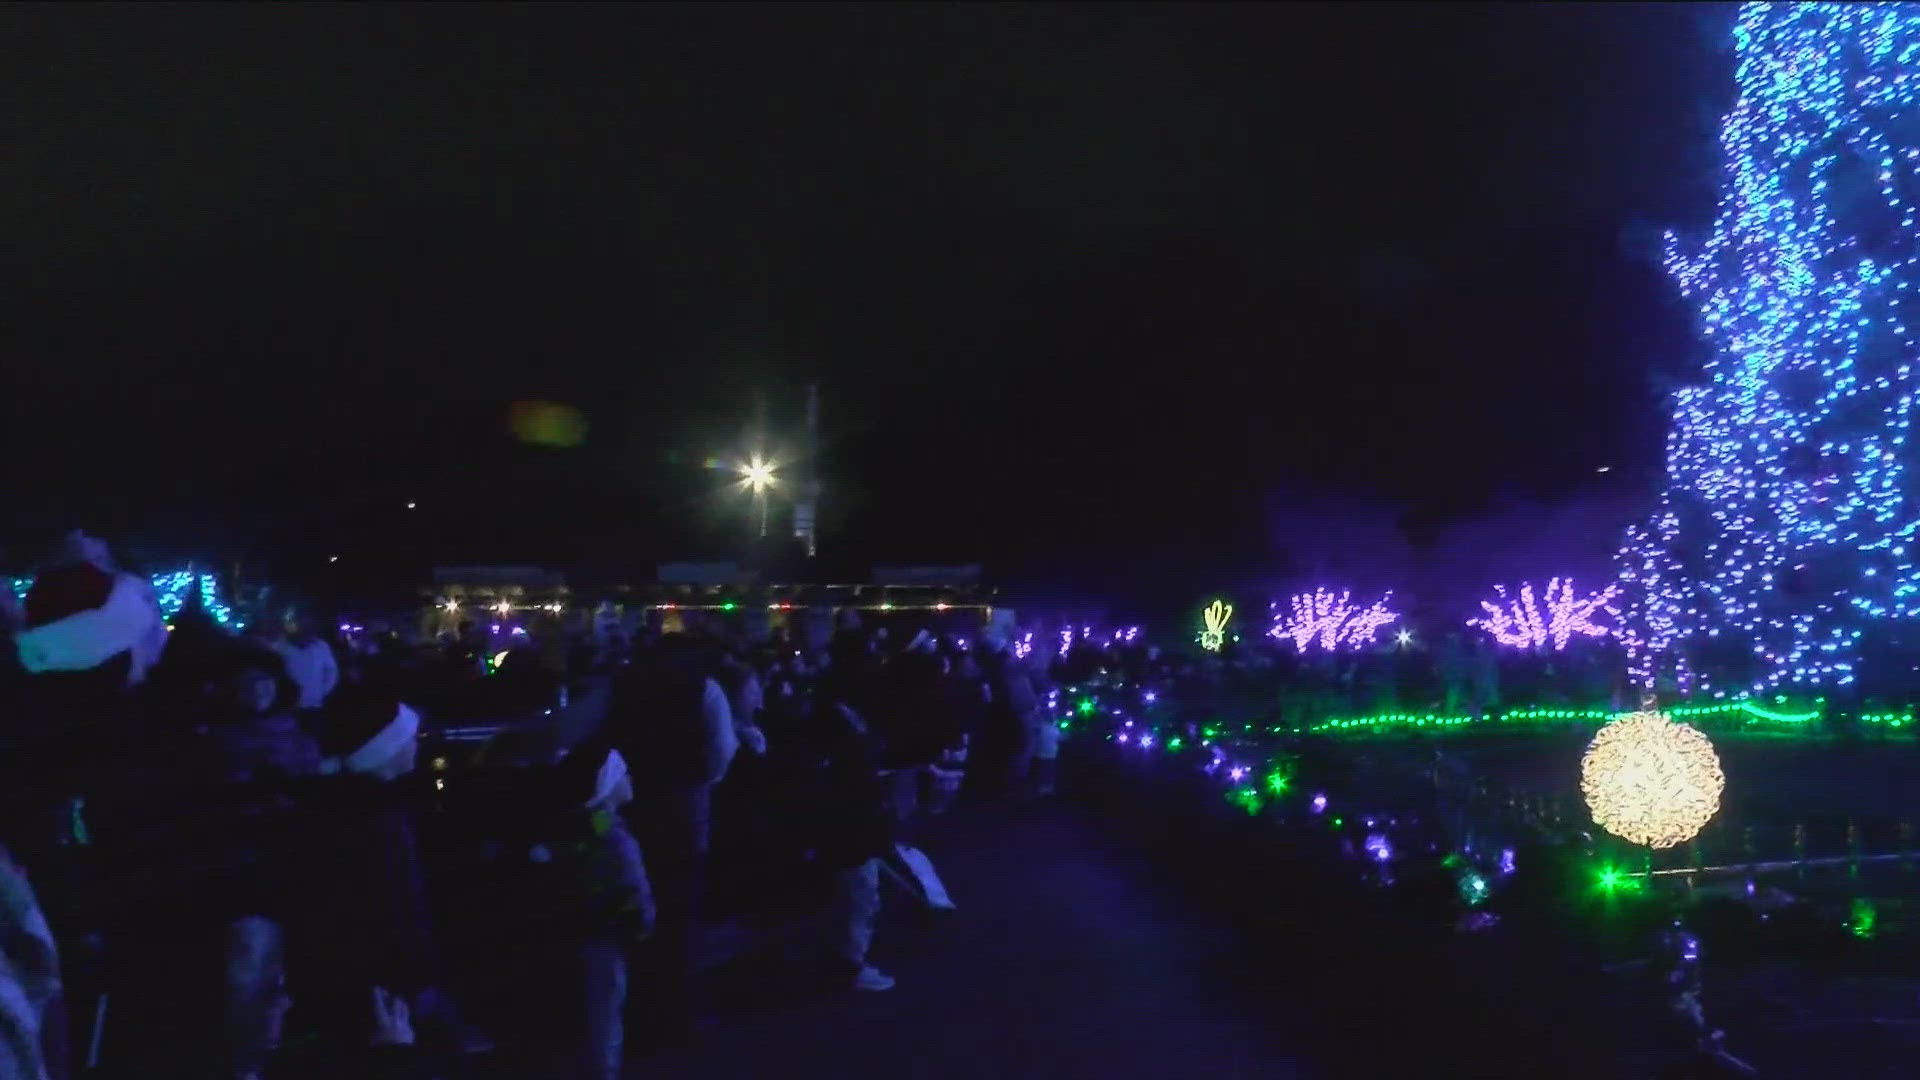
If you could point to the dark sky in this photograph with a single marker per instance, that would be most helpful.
(1073, 277)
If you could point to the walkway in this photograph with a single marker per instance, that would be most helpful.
(1057, 965)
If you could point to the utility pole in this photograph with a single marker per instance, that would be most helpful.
(806, 507)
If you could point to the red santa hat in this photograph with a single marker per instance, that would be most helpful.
(612, 770)
(367, 732)
(587, 775)
(80, 616)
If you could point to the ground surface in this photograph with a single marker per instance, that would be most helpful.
(1056, 965)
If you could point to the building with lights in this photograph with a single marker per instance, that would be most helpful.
(509, 597)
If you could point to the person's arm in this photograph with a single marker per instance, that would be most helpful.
(722, 741)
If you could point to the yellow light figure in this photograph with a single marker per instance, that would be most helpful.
(1214, 619)
(1651, 781)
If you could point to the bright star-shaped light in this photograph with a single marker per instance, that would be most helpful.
(757, 474)
(1404, 637)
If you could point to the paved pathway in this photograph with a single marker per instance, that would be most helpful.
(1058, 964)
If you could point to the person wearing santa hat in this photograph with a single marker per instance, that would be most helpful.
(73, 748)
(88, 635)
(83, 618)
(362, 918)
(611, 900)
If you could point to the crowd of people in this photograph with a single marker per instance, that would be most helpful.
(230, 850)
(229, 855)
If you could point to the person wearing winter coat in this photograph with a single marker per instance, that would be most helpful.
(857, 830)
(1005, 756)
(29, 981)
(600, 880)
(670, 720)
(259, 752)
(76, 757)
(746, 698)
(310, 664)
(363, 918)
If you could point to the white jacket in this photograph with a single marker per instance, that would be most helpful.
(722, 741)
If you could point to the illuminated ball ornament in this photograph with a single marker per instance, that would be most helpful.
(1651, 781)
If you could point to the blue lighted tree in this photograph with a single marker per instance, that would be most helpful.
(1786, 524)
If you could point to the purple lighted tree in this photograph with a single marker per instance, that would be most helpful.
(1522, 624)
(1322, 618)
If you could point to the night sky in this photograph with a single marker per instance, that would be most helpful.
(1089, 289)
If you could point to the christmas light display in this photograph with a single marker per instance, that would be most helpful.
(173, 590)
(1023, 645)
(1651, 781)
(1213, 633)
(1521, 623)
(1322, 619)
(1747, 715)
(1783, 528)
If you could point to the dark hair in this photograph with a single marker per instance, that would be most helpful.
(248, 657)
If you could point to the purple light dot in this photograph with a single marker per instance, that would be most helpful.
(1319, 803)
